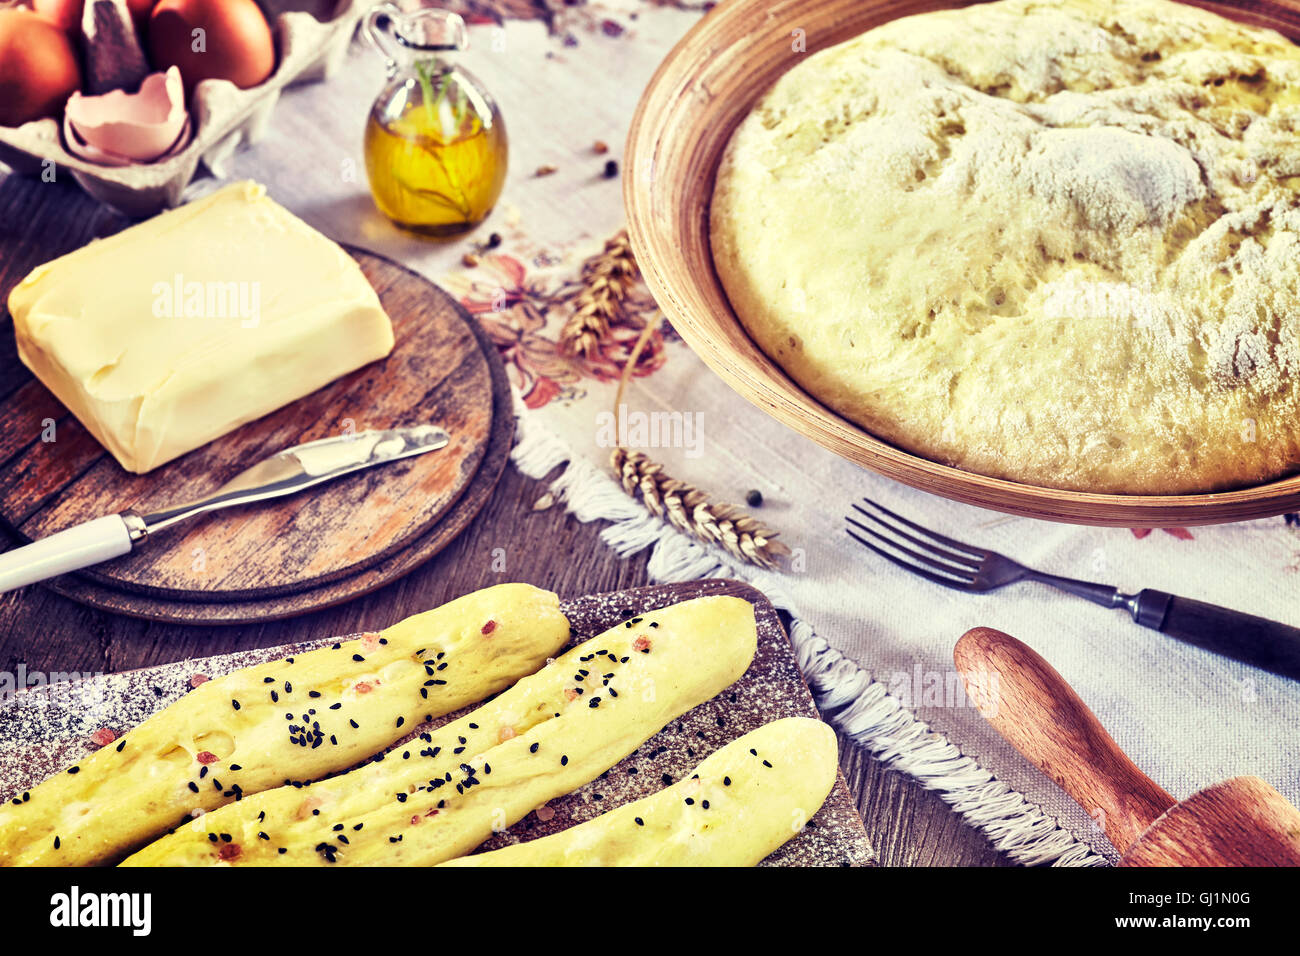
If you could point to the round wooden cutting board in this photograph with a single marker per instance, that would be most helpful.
(297, 554)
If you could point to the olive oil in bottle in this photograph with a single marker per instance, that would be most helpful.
(435, 143)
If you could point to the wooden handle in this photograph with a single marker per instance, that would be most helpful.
(1038, 713)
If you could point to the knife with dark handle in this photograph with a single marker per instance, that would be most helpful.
(284, 473)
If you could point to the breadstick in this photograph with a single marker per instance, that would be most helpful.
(286, 721)
(739, 805)
(445, 793)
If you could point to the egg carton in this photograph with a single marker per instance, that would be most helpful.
(312, 38)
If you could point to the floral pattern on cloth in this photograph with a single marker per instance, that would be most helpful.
(1291, 520)
(522, 301)
(1182, 534)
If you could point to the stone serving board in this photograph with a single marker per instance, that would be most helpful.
(42, 731)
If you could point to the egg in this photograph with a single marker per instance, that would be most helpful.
(212, 39)
(140, 10)
(38, 67)
(64, 14)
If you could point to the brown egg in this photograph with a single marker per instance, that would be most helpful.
(212, 39)
(64, 14)
(38, 67)
(139, 9)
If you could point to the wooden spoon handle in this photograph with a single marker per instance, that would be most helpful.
(1039, 714)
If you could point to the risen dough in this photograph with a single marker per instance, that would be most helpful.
(1055, 243)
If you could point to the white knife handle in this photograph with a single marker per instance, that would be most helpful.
(78, 547)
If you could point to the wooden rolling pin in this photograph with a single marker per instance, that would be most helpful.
(1240, 822)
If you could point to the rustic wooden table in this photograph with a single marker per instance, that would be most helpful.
(908, 825)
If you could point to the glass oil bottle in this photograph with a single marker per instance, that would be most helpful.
(435, 143)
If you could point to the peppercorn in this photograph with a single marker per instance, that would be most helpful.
(611, 168)
(754, 498)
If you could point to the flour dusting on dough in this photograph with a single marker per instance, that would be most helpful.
(1056, 243)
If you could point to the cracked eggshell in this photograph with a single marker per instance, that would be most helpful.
(136, 127)
(222, 117)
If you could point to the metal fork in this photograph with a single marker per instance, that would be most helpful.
(1253, 640)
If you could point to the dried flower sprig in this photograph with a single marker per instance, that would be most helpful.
(604, 282)
(689, 509)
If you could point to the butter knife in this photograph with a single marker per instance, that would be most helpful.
(284, 473)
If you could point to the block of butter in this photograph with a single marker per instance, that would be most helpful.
(186, 326)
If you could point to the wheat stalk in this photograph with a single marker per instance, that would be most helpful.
(689, 509)
(605, 280)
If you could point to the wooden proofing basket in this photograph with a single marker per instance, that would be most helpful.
(697, 97)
